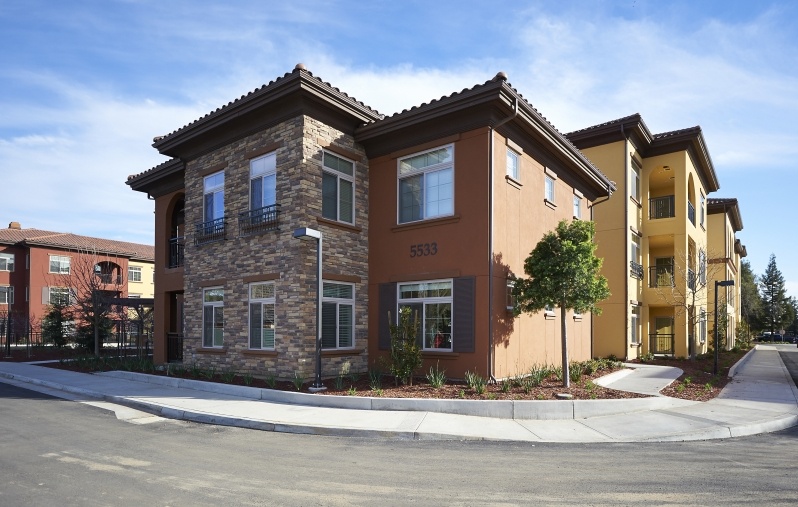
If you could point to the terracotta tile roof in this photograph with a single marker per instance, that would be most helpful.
(673, 133)
(631, 118)
(299, 69)
(69, 241)
(162, 166)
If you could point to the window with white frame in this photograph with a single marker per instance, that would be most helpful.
(512, 164)
(338, 188)
(635, 252)
(577, 207)
(432, 302)
(263, 181)
(213, 317)
(6, 295)
(59, 264)
(133, 273)
(548, 310)
(549, 189)
(511, 300)
(261, 315)
(213, 197)
(58, 296)
(426, 185)
(635, 184)
(702, 267)
(6, 262)
(337, 315)
(635, 324)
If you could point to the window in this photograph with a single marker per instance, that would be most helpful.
(6, 295)
(214, 197)
(6, 262)
(635, 267)
(59, 264)
(701, 211)
(338, 188)
(134, 274)
(635, 253)
(212, 317)
(432, 301)
(635, 190)
(702, 326)
(635, 324)
(549, 189)
(58, 296)
(512, 164)
(261, 315)
(702, 267)
(262, 181)
(426, 185)
(511, 301)
(337, 315)
(548, 311)
(577, 207)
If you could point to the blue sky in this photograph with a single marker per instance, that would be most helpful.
(86, 85)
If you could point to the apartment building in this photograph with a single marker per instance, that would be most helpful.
(726, 251)
(39, 268)
(434, 208)
(653, 237)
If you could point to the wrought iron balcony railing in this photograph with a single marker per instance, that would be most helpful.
(660, 343)
(259, 220)
(661, 276)
(208, 232)
(176, 246)
(636, 270)
(661, 207)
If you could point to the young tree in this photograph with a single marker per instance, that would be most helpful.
(55, 324)
(750, 301)
(563, 271)
(774, 297)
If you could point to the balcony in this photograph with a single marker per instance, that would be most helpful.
(259, 220)
(636, 270)
(662, 207)
(661, 276)
(176, 246)
(208, 232)
(660, 343)
(691, 212)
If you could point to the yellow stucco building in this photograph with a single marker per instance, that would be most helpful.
(652, 235)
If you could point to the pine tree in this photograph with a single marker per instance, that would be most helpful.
(750, 300)
(774, 297)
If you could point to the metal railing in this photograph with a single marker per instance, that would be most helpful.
(208, 232)
(258, 220)
(636, 270)
(176, 246)
(691, 212)
(660, 343)
(661, 276)
(661, 207)
(174, 347)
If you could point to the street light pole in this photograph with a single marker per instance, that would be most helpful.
(307, 234)
(718, 283)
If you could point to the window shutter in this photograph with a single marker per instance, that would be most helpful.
(45, 295)
(464, 307)
(387, 304)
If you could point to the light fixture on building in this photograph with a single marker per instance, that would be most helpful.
(307, 234)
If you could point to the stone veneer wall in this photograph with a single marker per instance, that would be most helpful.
(276, 255)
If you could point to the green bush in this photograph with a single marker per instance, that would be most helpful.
(405, 351)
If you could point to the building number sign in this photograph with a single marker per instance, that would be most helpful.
(423, 249)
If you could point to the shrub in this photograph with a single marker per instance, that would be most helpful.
(436, 377)
(375, 380)
(575, 370)
(299, 380)
(405, 352)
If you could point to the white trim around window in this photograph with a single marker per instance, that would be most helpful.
(550, 192)
(60, 264)
(432, 300)
(338, 188)
(262, 326)
(425, 186)
(213, 317)
(6, 262)
(134, 274)
(513, 165)
(263, 181)
(6, 295)
(337, 315)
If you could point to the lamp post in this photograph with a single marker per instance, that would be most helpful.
(718, 283)
(307, 234)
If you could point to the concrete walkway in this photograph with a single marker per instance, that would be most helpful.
(761, 398)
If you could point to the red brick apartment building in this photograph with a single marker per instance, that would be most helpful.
(434, 208)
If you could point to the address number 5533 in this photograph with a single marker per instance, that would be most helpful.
(423, 249)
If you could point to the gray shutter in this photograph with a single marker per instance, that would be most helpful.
(45, 295)
(387, 293)
(464, 300)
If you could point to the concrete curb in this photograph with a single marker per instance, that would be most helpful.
(500, 409)
(733, 369)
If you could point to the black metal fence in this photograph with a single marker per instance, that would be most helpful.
(660, 343)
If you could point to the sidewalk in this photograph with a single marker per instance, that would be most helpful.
(761, 398)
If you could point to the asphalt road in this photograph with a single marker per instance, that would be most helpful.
(56, 452)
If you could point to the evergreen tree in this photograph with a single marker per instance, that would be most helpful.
(563, 271)
(56, 323)
(750, 300)
(774, 297)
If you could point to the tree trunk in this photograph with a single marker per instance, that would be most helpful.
(566, 377)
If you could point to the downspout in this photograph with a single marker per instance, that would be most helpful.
(491, 129)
